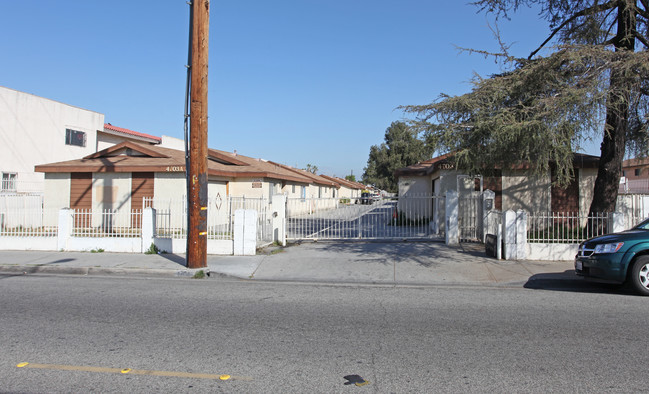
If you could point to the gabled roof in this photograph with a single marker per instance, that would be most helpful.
(444, 162)
(317, 179)
(110, 129)
(131, 156)
(425, 167)
(344, 182)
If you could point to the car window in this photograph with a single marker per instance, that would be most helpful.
(642, 226)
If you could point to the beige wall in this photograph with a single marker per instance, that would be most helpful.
(170, 186)
(243, 187)
(57, 191)
(32, 131)
(111, 191)
(523, 191)
(216, 188)
(293, 190)
(414, 185)
(586, 186)
(56, 196)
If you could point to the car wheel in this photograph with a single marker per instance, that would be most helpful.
(640, 275)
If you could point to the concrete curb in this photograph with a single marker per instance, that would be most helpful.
(99, 271)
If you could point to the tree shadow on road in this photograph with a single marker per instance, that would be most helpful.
(426, 254)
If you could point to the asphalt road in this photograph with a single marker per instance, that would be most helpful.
(79, 333)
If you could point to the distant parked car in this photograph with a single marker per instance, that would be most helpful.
(618, 258)
(366, 198)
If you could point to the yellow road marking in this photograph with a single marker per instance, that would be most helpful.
(173, 374)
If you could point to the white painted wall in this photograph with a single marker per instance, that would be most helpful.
(523, 191)
(243, 187)
(587, 178)
(57, 193)
(32, 131)
(172, 143)
(169, 186)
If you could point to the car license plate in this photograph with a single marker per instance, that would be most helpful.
(578, 265)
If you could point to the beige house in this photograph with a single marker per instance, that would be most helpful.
(514, 188)
(347, 189)
(120, 176)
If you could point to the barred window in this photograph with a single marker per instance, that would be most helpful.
(8, 181)
(75, 137)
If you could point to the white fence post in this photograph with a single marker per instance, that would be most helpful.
(279, 218)
(488, 204)
(452, 215)
(245, 232)
(509, 234)
(617, 220)
(66, 224)
(521, 235)
(148, 228)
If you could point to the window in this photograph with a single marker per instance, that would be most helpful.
(8, 181)
(637, 172)
(75, 137)
(293, 189)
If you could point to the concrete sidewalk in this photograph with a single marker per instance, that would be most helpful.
(402, 263)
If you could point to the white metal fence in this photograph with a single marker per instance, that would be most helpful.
(332, 218)
(470, 216)
(561, 227)
(107, 223)
(171, 217)
(28, 223)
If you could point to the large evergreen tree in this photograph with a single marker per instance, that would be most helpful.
(400, 149)
(594, 85)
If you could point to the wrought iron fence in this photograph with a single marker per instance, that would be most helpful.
(107, 223)
(561, 227)
(171, 217)
(411, 217)
(29, 223)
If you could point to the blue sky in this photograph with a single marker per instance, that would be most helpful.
(294, 81)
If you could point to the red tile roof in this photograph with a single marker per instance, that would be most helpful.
(110, 127)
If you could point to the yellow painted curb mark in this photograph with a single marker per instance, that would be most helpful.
(173, 374)
(203, 208)
(203, 233)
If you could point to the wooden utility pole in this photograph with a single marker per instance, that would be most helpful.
(197, 172)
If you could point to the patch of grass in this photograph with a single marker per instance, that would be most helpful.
(199, 275)
(97, 250)
(154, 250)
(276, 251)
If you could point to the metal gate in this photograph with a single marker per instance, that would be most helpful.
(384, 218)
(470, 217)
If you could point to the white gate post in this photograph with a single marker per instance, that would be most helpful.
(245, 232)
(452, 230)
(148, 228)
(66, 224)
(279, 218)
(521, 235)
(509, 234)
(617, 220)
(488, 204)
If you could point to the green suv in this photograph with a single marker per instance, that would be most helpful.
(617, 258)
